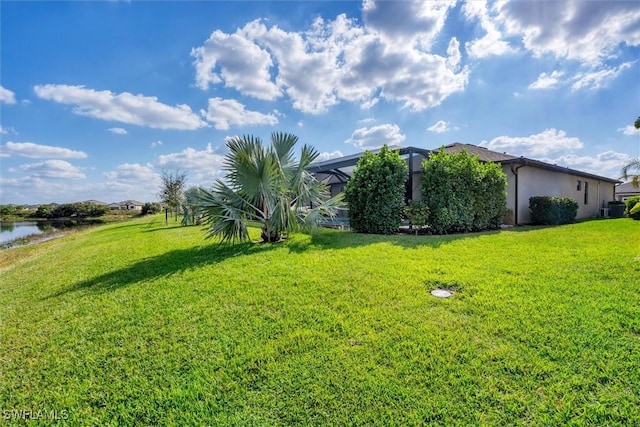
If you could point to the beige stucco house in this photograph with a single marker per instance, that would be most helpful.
(525, 178)
(127, 205)
(626, 190)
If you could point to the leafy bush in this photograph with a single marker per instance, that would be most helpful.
(150, 209)
(417, 213)
(375, 193)
(631, 203)
(43, 211)
(462, 193)
(71, 210)
(552, 210)
(635, 211)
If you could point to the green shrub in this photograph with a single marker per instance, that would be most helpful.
(552, 210)
(631, 203)
(635, 211)
(375, 193)
(462, 193)
(417, 213)
(150, 208)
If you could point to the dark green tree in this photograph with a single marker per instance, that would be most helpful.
(375, 192)
(150, 208)
(462, 193)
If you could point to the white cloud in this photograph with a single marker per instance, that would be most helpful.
(377, 136)
(629, 130)
(328, 155)
(409, 21)
(600, 78)
(206, 160)
(36, 151)
(7, 96)
(238, 62)
(547, 81)
(300, 124)
(26, 189)
(124, 107)
(492, 43)
(586, 31)
(224, 113)
(133, 173)
(7, 130)
(155, 144)
(589, 32)
(118, 131)
(207, 164)
(337, 61)
(59, 169)
(131, 181)
(603, 164)
(543, 143)
(441, 126)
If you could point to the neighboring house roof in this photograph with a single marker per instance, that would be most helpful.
(132, 202)
(627, 189)
(484, 154)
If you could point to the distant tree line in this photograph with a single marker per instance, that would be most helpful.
(71, 210)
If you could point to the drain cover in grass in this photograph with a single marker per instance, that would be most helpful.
(441, 293)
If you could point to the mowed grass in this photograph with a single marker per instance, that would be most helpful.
(140, 324)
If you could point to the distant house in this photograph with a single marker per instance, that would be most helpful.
(626, 190)
(525, 178)
(127, 205)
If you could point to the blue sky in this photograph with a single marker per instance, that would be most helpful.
(97, 99)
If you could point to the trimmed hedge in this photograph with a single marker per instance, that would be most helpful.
(631, 203)
(375, 193)
(462, 193)
(552, 210)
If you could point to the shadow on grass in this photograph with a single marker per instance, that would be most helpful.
(165, 265)
(341, 239)
(178, 261)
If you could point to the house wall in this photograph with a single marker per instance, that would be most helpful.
(624, 196)
(533, 181)
(511, 198)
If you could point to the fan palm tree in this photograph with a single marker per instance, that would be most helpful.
(634, 164)
(266, 184)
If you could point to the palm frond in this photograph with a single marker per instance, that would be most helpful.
(328, 209)
(282, 145)
(225, 212)
(634, 164)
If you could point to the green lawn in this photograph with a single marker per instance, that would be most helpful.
(136, 323)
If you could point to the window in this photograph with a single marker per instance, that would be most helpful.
(578, 187)
(586, 193)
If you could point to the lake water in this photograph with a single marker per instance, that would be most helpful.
(15, 230)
